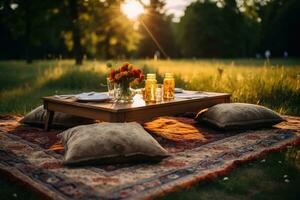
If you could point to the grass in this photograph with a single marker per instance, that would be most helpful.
(275, 84)
(275, 177)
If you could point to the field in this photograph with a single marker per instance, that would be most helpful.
(274, 83)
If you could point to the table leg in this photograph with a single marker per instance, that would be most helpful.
(48, 120)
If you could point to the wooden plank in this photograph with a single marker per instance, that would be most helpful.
(80, 111)
(136, 105)
(171, 110)
(136, 111)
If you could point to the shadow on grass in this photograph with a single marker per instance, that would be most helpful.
(72, 82)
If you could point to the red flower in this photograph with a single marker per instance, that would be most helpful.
(124, 67)
(137, 73)
(126, 73)
(112, 74)
(141, 78)
(131, 74)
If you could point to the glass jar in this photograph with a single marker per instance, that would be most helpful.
(168, 86)
(150, 88)
(123, 93)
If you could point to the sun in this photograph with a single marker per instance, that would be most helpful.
(132, 9)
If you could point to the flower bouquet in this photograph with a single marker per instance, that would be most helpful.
(125, 78)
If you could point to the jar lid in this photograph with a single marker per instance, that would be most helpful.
(151, 76)
(168, 75)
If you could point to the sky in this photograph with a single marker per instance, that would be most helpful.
(177, 7)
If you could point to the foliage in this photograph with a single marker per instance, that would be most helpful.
(28, 26)
(54, 28)
(105, 31)
(33, 29)
(281, 27)
(240, 28)
(156, 31)
(208, 30)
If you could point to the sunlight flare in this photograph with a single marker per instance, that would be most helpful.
(132, 9)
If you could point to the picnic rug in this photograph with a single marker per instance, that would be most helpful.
(34, 157)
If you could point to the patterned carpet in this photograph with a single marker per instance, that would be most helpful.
(34, 157)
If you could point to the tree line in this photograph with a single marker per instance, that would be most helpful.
(35, 29)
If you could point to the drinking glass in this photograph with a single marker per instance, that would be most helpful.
(110, 88)
(159, 92)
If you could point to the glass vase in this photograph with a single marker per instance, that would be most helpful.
(124, 93)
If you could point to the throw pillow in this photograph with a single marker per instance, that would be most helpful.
(61, 120)
(108, 143)
(230, 116)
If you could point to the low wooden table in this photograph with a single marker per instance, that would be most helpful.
(136, 111)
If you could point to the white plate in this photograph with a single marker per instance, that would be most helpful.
(178, 90)
(191, 95)
(92, 97)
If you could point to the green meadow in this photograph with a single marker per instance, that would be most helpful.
(273, 83)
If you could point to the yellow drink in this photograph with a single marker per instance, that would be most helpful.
(150, 88)
(168, 86)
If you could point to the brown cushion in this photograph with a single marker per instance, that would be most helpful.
(229, 116)
(107, 143)
(37, 117)
(175, 128)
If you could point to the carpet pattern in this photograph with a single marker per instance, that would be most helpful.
(35, 158)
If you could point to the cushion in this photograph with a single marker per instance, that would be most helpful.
(230, 116)
(37, 118)
(108, 143)
(175, 128)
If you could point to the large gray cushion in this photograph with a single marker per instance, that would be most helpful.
(107, 143)
(229, 116)
(62, 120)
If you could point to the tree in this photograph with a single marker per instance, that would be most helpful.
(100, 30)
(116, 35)
(281, 27)
(216, 30)
(156, 31)
(29, 25)
(74, 10)
(40, 29)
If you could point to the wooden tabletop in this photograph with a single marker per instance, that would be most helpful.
(137, 104)
(139, 110)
